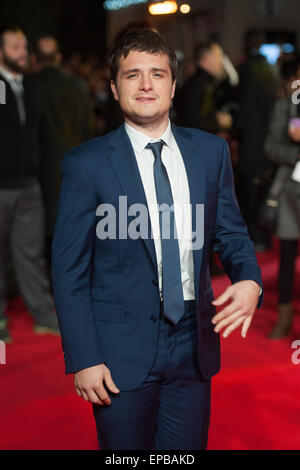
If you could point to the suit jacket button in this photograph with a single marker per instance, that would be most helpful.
(153, 318)
(155, 282)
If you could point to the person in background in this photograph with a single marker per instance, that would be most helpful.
(282, 145)
(256, 96)
(21, 207)
(67, 121)
(196, 103)
(99, 90)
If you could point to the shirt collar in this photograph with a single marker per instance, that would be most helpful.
(9, 76)
(140, 141)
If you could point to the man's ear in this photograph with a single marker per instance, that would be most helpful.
(114, 90)
(173, 89)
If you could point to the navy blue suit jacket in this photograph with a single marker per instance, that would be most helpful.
(106, 291)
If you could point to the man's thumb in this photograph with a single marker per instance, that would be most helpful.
(110, 383)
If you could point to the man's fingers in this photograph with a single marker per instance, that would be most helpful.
(228, 320)
(246, 325)
(237, 312)
(94, 398)
(233, 326)
(110, 383)
(90, 385)
(223, 297)
(230, 309)
(89, 395)
(85, 395)
(103, 395)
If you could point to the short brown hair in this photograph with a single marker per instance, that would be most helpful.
(142, 40)
(202, 48)
(8, 28)
(41, 56)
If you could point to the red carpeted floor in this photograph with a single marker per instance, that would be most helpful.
(255, 398)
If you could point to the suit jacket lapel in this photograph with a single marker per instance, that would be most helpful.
(10, 99)
(125, 165)
(191, 154)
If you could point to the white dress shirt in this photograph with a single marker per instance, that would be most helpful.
(172, 160)
(16, 84)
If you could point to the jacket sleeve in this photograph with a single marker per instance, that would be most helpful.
(231, 239)
(72, 254)
(195, 108)
(278, 146)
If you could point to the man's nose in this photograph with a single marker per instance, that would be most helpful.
(145, 83)
(23, 52)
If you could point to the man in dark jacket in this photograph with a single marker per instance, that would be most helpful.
(257, 94)
(68, 121)
(21, 208)
(196, 104)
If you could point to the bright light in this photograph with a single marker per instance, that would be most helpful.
(163, 8)
(185, 8)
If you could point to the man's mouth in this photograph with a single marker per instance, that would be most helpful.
(145, 99)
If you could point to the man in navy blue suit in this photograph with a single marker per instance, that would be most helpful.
(136, 309)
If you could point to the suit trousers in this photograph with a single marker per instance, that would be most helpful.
(22, 222)
(170, 410)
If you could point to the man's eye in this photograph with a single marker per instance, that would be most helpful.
(157, 74)
(132, 75)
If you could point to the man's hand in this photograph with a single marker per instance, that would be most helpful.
(224, 119)
(244, 297)
(89, 384)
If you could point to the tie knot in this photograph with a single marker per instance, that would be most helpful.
(156, 148)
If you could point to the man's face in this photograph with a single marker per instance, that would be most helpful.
(14, 52)
(214, 61)
(47, 46)
(144, 87)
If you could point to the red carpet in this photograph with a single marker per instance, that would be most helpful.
(255, 399)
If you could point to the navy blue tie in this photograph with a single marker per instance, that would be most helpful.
(171, 272)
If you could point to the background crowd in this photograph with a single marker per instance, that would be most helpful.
(55, 103)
